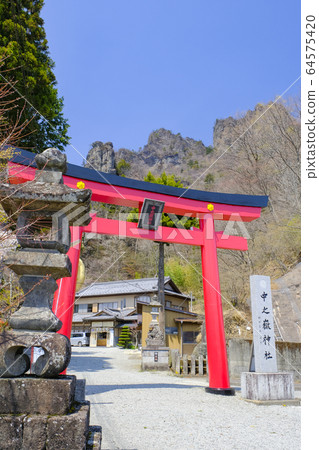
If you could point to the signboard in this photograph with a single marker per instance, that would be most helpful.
(263, 324)
(151, 214)
(99, 330)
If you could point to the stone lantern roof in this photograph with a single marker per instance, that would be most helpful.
(46, 191)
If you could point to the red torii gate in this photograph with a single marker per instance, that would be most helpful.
(206, 206)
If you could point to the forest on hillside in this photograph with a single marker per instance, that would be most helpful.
(256, 153)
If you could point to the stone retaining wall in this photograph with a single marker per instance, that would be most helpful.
(239, 353)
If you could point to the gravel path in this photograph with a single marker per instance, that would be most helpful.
(153, 410)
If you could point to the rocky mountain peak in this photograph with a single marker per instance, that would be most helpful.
(227, 130)
(223, 131)
(164, 152)
(101, 157)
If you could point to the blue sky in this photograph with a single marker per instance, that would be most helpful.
(128, 67)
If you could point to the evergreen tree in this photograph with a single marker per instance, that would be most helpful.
(27, 64)
(125, 337)
(166, 221)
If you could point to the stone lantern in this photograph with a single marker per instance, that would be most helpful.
(155, 354)
(155, 336)
(43, 211)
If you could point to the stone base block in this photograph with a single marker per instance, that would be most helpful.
(285, 402)
(31, 395)
(50, 432)
(11, 432)
(267, 386)
(155, 358)
(69, 431)
(51, 414)
(79, 395)
(95, 438)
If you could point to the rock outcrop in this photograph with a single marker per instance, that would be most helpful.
(223, 132)
(164, 152)
(170, 153)
(101, 157)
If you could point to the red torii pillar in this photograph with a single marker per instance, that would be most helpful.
(215, 334)
(63, 303)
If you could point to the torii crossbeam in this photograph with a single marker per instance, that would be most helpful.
(206, 206)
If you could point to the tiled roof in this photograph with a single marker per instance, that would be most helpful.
(128, 318)
(106, 314)
(188, 319)
(181, 312)
(139, 286)
(127, 312)
(79, 317)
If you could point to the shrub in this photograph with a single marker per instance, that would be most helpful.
(122, 167)
(209, 149)
(209, 179)
(125, 338)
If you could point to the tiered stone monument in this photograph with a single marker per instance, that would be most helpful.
(155, 354)
(40, 409)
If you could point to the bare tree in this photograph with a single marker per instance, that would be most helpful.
(10, 132)
(265, 155)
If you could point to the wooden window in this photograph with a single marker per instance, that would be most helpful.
(189, 337)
